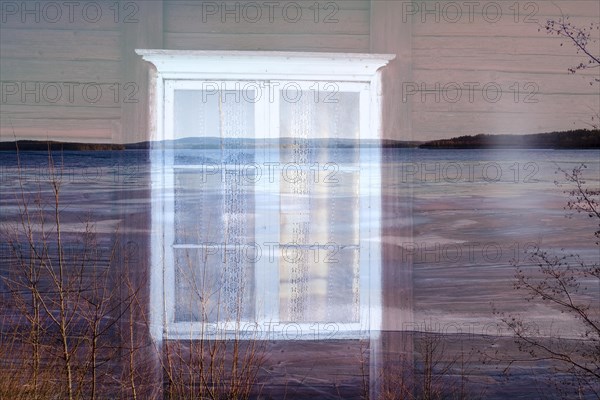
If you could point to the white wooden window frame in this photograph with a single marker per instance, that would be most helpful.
(176, 69)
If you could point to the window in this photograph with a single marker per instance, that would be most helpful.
(266, 201)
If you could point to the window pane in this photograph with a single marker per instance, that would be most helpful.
(219, 120)
(213, 179)
(213, 114)
(320, 115)
(196, 114)
(319, 233)
(214, 284)
(319, 284)
(197, 195)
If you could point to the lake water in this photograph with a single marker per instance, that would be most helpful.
(473, 211)
(463, 216)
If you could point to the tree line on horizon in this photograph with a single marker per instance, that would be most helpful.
(573, 139)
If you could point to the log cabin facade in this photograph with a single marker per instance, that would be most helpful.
(72, 72)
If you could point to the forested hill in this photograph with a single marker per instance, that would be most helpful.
(43, 145)
(576, 139)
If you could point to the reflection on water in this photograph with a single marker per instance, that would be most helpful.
(473, 213)
(458, 196)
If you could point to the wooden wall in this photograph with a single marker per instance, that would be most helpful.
(42, 47)
(48, 48)
(342, 26)
(507, 51)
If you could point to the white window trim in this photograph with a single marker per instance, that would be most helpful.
(343, 68)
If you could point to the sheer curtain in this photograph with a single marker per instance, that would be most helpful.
(319, 271)
(215, 208)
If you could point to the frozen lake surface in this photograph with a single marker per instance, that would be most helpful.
(471, 215)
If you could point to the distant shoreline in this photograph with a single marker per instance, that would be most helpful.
(566, 140)
(572, 140)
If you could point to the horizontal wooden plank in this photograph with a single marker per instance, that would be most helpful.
(500, 29)
(59, 15)
(333, 20)
(20, 69)
(572, 8)
(277, 5)
(556, 64)
(486, 60)
(324, 369)
(458, 101)
(26, 111)
(60, 44)
(544, 82)
(438, 125)
(506, 27)
(340, 43)
(81, 130)
(430, 46)
(552, 64)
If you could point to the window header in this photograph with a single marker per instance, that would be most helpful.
(360, 67)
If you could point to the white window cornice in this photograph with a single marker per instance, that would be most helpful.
(260, 64)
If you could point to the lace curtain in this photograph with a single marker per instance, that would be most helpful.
(216, 215)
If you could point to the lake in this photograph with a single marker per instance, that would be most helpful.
(464, 218)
